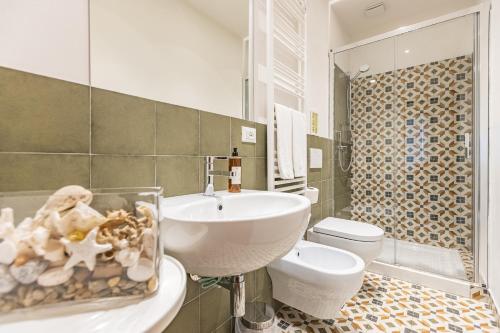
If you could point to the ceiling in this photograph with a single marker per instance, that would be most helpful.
(398, 13)
(231, 14)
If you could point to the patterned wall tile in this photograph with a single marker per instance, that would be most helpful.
(412, 175)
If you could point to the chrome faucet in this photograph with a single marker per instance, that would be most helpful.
(210, 173)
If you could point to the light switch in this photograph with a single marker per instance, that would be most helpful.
(315, 158)
(248, 134)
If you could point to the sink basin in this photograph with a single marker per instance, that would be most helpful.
(233, 234)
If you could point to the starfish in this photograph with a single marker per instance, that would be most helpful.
(85, 250)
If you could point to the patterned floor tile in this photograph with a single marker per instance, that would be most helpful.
(390, 305)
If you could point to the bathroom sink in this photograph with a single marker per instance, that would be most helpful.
(232, 233)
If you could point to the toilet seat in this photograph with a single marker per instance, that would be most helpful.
(316, 279)
(353, 230)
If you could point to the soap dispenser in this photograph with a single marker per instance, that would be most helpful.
(234, 182)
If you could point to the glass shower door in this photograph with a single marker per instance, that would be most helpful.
(434, 97)
(364, 132)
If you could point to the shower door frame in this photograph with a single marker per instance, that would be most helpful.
(480, 143)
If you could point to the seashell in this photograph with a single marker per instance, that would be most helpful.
(107, 256)
(81, 274)
(107, 271)
(113, 282)
(128, 257)
(54, 251)
(149, 242)
(29, 272)
(24, 254)
(67, 197)
(6, 223)
(81, 218)
(55, 276)
(7, 282)
(85, 251)
(97, 285)
(141, 272)
(152, 284)
(38, 240)
(8, 252)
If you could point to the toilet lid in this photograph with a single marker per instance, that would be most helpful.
(358, 231)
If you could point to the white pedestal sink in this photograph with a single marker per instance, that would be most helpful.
(234, 233)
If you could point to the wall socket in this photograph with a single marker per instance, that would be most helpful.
(248, 134)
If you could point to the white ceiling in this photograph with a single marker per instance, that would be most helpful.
(398, 13)
(231, 14)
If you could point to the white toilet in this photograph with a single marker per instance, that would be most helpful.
(363, 239)
(316, 279)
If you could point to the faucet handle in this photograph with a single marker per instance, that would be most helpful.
(209, 190)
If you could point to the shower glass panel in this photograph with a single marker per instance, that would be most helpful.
(403, 130)
(434, 98)
(364, 149)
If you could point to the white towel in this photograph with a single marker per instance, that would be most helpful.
(299, 144)
(284, 141)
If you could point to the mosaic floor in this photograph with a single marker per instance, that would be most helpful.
(389, 305)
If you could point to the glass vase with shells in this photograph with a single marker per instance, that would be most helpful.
(91, 249)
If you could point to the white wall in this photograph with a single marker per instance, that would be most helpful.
(494, 190)
(166, 51)
(49, 38)
(317, 63)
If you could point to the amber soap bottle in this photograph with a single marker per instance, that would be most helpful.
(234, 182)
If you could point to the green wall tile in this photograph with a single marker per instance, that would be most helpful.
(214, 134)
(326, 209)
(225, 328)
(248, 173)
(26, 172)
(177, 174)
(261, 145)
(41, 114)
(178, 130)
(244, 149)
(192, 290)
(250, 285)
(187, 320)
(123, 171)
(261, 174)
(122, 124)
(215, 309)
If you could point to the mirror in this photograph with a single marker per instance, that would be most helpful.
(192, 53)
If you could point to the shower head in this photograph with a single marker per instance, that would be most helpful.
(362, 69)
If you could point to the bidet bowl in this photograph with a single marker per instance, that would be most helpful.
(251, 229)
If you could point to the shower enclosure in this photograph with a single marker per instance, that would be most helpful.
(404, 110)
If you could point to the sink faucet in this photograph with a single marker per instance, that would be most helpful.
(210, 173)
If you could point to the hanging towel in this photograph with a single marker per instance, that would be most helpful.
(284, 141)
(299, 144)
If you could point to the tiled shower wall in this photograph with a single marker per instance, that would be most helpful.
(54, 133)
(412, 173)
